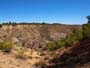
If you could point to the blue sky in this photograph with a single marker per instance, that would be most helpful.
(52, 11)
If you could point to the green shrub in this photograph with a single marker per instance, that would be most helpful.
(51, 46)
(6, 46)
(57, 44)
(61, 43)
(71, 39)
(74, 37)
(78, 34)
(86, 31)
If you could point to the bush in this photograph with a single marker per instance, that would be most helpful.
(57, 44)
(78, 34)
(75, 37)
(61, 43)
(51, 46)
(86, 31)
(71, 39)
(6, 46)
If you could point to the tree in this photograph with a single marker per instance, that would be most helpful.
(43, 23)
(88, 17)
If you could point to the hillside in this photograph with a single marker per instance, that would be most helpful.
(34, 36)
(76, 57)
(25, 45)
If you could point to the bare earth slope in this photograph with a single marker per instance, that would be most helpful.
(9, 60)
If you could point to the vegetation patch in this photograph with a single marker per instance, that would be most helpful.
(74, 37)
(86, 31)
(5, 46)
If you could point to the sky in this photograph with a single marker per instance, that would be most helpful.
(50, 11)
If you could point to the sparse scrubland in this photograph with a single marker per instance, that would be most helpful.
(76, 50)
(44, 45)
